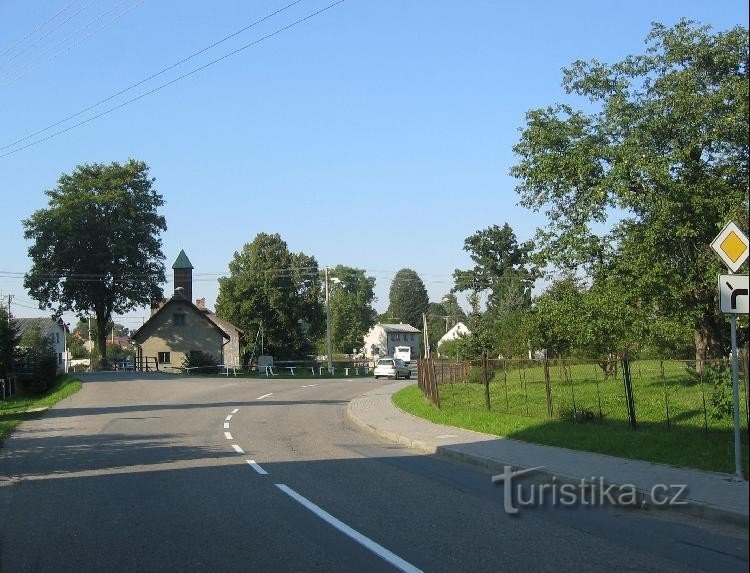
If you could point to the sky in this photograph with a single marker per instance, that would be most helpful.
(376, 134)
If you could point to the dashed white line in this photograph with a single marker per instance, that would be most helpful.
(226, 425)
(235, 410)
(228, 418)
(238, 449)
(264, 396)
(376, 548)
(308, 385)
(256, 467)
(228, 436)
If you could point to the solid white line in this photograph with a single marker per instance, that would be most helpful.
(264, 396)
(228, 436)
(235, 410)
(256, 467)
(226, 425)
(376, 548)
(238, 449)
(228, 418)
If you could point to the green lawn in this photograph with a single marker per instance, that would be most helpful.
(673, 425)
(15, 410)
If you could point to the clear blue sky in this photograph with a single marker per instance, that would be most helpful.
(377, 134)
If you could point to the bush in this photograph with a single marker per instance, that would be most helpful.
(199, 359)
(719, 379)
(37, 363)
(579, 415)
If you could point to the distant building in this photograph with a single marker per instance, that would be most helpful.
(382, 339)
(178, 326)
(51, 329)
(459, 330)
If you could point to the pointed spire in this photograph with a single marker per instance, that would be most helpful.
(182, 261)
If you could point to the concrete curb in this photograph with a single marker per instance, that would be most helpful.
(694, 508)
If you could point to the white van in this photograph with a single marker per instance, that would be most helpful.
(403, 353)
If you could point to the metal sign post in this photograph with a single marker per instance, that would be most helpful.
(732, 246)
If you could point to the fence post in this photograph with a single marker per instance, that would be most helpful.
(436, 395)
(666, 394)
(547, 387)
(486, 376)
(628, 391)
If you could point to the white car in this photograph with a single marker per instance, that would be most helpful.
(391, 368)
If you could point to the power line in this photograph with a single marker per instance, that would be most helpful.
(164, 85)
(35, 30)
(54, 50)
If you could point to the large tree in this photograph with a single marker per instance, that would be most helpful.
(97, 246)
(9, 340)
(407, 298)
(352, 315)
(273, 290)
(501, 268)
(659, 157)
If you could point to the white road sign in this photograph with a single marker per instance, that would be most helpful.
(733, 294)
(732, 246)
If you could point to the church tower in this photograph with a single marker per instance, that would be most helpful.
(183, 275)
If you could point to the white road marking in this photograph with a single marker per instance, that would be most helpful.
(447, 436)
(264, 396)
(235, 410)
(308, 385)
(376, 548)
(256, 467)
(228, 417)
(228, 436)
(226, 426)
(238, 449)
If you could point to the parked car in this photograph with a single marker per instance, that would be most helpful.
(392, 368)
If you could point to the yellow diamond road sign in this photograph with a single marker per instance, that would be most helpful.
(732, 246)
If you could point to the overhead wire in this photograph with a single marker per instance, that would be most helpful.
(166, 84)
(35, 30)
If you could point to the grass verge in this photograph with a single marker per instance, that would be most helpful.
(686, 446)
(16, 410)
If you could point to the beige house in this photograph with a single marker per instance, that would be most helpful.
(178, 327)
(382, 340)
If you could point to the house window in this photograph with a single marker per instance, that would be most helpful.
(57, 338)
(164, 357)
(59, 357)
(178, 319)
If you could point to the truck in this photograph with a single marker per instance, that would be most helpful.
(402, 352)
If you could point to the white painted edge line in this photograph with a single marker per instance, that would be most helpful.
(238, 449)
(228, 436)
(264, 396)
(256, 467)
(235, 410)
(228, 418)
(376, 548)
(226, 425)
(308, 385)
(447, 436)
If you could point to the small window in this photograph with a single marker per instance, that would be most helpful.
(164, 357)
(178, 319)
(57, 338)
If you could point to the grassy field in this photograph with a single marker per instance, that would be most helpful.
(15, 410)
(673, 426)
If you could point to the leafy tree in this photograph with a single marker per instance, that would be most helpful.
(557, 317)
(96, 247)
(408, 298)
(352, 313)
(9, 340)
(665, 150)
(272, 289)
(501, 266)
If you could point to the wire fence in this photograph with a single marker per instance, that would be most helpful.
(669, 393)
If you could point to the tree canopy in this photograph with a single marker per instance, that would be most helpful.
(641, 182)
(407, 298)
(97, 246)
(277, 291)
(352, 313)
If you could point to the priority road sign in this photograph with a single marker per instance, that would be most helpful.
(732, 246)
(733, 294)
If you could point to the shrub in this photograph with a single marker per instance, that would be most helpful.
(719, 380)
(199, 359)
(579, 415)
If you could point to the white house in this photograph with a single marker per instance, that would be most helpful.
(457, 331)
(52, 330)
(382, 340)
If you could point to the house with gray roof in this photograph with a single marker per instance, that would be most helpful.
(51, 329)
(382, 340)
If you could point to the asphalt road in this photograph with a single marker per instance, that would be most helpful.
(176, 474)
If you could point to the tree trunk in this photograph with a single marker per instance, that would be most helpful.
(702, 345)
(101, 339)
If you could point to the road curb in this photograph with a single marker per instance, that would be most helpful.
(694, 508)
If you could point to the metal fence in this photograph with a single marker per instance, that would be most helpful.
(670, 393)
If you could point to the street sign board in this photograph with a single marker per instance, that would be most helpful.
(732, 246)
(733, 294)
